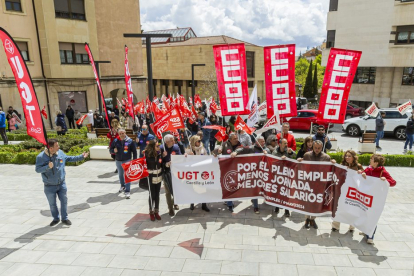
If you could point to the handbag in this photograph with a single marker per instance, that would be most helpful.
(143, 183)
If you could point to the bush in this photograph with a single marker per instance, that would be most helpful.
(6, 157)
(25, 158)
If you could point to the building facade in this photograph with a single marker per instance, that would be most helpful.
(173, 58)
(384, 31)
(51, 37)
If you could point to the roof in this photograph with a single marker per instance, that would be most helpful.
(178, 32)
(206, 40)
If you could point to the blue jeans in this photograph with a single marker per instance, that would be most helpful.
(206, 144)
(127, 186)
(229, 203)
(368, 237)
(60, 190)
(409, 140)
(380, 135)
(255, 203)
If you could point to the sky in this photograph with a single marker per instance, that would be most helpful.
(261, 22)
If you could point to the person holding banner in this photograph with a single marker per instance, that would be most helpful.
(154, 167)
(409, 133)
(123, 148)
(376, 169)
(350, 160)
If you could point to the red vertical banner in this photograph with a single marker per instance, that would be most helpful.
(279, 65)
(31, 109)
(95, 73)
(231, 74)
(129, 85)
(339, 75)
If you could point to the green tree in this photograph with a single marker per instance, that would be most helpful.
(315, 80)
(308, 90)
(301, 70)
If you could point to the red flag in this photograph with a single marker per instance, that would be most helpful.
(280, 80)
(190, 100)
(166, 105)
(193, 116)
(240, 124)
(163, 98)
(139, 107)
(80, 121)
(216, 127)
(197, 101)
(129, 85)
(213, 106)
(157, 112)
(135, 170)
(148, 105)
(221, 135)
(44, 112)
(339, 75)
(123, 101)
(155, 100)
(34, 123)
(88, 50)
(170, 121)
(231, 74)
(176, 134)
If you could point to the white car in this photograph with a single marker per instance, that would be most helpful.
(395, 123)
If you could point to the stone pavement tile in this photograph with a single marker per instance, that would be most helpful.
(120, 249)
(102, 271)
(87, 247)
(131, 262)
(275, 248)
(406, 254)
(15, 228)
(167, 236)
(165, 264)
(400, 263)
(64, 270)
(239, 268)
(290, 241)
(185, 236)
(71, 231)
(4, 266)
(226, 239)
(97, 223)
(344, 251)
(331, 260)
(369, 261)
(63, 258)
(391, 246)
(295, 258)
(353, 271)
(78, 239)
(242, 246)
(223, 254)
(258, 240)
(191, 228)
(401, 237)
(202, 266)
(376, 252)
(411, 245)
(244, 229)
(22, 269)
(259, 256)
(154, 251)
(24, 256)
(50, 245)
(130, 272)
(93, 260)
(196, 253)
(319, 250)
(393, 272)
(316, 270)
(267, 269)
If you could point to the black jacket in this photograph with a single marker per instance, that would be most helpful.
(125, 148)
(70, 113)
(302, 151)
(410, 127)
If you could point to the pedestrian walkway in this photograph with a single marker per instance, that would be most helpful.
(113, 236)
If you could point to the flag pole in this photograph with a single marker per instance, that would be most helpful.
(324, 143)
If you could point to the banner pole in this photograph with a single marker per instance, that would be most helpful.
(149, 191)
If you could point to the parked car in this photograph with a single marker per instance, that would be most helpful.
(301, 103)
(352, 110)
(395, 123)
(304, 120)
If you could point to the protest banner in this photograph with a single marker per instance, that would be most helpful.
(372, 110)
(405, 107)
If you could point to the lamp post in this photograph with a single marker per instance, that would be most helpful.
(192, 78)
(300, 90)
(149, 58)
(97, 62)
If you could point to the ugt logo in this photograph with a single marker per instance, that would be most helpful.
(194, 175)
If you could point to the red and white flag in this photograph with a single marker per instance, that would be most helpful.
(129, 85)
(253, 117)
(262, 106)
(272, 123)
(280, 80)
(156, 100)
(135, 170)
(193, 116)
(158, 113)
(34, 123)
(197, 101)
(190, 100)
(213, 106)
(230, 61)
(44, 113)
(339, 75)
(81, 119)
(405, 107)
(139, 107)
(241, 125)
(170, 121)
(372, 110)
(221, 135)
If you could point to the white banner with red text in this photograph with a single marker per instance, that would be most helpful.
(311, 188)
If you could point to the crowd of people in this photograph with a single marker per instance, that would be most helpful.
(9, 122)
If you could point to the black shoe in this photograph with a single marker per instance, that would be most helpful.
(67, 222)
(313, 223)
(192, 206)
(204, 207)
(54, 222)
(116, 171)
(231, 209)
(277, 210)
(307, 223)
(378, 147)
(287, 213)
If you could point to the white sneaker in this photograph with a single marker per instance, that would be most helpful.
(370, 241)
(405, 151)
(121, 189)
(127, 195)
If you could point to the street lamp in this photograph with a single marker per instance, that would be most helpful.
(300, 90)
(192, 78)
(97, 62)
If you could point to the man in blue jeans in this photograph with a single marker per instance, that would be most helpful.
(123, 148)
(379, 128)
(51, 164)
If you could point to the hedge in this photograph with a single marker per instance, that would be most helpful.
(21, 135)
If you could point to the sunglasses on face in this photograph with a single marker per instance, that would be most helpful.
(321, 130)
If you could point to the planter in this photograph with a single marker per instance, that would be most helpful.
(91, 135)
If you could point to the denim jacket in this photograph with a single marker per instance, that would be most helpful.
(55, 175)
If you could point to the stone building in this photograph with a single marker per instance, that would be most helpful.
(384, 31)
(51, 37)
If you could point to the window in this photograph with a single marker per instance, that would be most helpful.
(70, 9)
(405, 35)
(73, 53)
(394, 115)
(23, 49)
(330, 39)
(250, 84)
(333, 5)
(77, 99)
(13, 5)
(408, 76)
(178, 83)
(250, 64)
(365, 75)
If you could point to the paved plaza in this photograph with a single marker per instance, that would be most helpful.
(111, 235)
